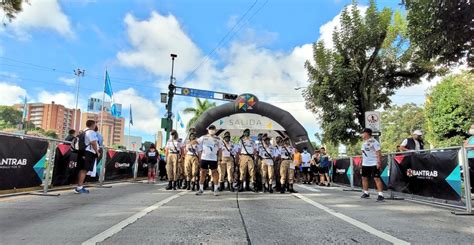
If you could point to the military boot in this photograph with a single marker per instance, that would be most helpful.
(270, 188)
(194, 186)
(221, 188)
(169, 187)
(291, 189)
(174, 185)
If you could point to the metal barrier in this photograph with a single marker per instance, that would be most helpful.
(431, 176)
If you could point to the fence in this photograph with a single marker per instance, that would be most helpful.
(28, 162)
(436, 175)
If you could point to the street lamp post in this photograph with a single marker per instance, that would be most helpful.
(79, 73)
(169, 106)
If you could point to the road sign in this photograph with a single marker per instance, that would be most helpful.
(372, 120)
(205, 94)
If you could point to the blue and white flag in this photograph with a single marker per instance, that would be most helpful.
(108, 86)
(25, 109)
(180, 121)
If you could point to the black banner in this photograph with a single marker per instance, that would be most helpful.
(342, 171)
(119, 165)
(428, 174)
(470, 161)
(358, 173)
(22, 162)
(65, 170)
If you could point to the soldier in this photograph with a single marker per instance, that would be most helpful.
(278, 143)
(226, 165)
(211, 150)
(180, 171)
(247, 151)
(258, 163)
(191, 162)
(268, 154)
(287, 166)
(173, 151)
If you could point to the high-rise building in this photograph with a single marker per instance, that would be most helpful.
(52, 116)
(112, 128)
(133, 143)
(159, 139)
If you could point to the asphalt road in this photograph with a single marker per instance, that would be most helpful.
(131, 213)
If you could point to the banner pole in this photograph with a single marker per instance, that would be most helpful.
(102, 169)
(135, 168)
(351, 167)
(389, 186)
(467, 183)
(50, 158)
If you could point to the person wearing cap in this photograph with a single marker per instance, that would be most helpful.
(151, 159)
(191, 162)
(258, 166)
(173, 151)
(247, 151)
(210, 146)
(287, 166)
(371, 164)
(276, 166)
(267, 153)
(226, 165)
(415, 143)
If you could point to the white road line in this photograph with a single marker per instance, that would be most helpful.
(308, 188)
(353, 222)
(128, 221)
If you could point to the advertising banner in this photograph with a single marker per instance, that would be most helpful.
(358, 173)
(65, 171)
(22, 162)
(428, 174)
(119, 165)
(342, 171)
(470, 162)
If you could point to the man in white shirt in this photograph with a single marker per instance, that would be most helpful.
(247, 151)
(226, 165)
(306, 166)
(211, 150)
(371, 164)
(86, 157)
(268, 154)
(174, 148)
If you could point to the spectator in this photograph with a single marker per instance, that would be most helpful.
(315, 158)
(371, 164)
(324, 168)
(415, 143)
(86, 158)
(306, 166)
(297, 162)
(162, 165)
(70, 136)
(152, 157)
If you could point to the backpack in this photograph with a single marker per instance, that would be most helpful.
(78, 144)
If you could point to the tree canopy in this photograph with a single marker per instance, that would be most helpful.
(371, 59)
(11, 8)
(201, 107)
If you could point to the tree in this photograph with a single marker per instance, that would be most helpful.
(449, 110)
(201, 107)
(442, 29)
(398, 123)
(9, 117)
(370, 60)
(11, 8)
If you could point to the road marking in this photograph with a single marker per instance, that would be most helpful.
(128, 221)
(308, 188)
(353, 222)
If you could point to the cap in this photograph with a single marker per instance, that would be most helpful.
(152, 146)
(192, 130)
(173, 131)
(227, 134)
(265, 137)
(418, 132)
(212, 127)
(246, 130)
(367, 130)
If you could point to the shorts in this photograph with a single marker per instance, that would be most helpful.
(306, 170)
(314, 169)
(323, 170)
(205, 164)
(86, 161)
(151, 164)
(370, 171)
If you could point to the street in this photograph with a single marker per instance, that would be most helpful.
(137, 213)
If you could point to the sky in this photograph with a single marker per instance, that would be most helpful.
(238, 46)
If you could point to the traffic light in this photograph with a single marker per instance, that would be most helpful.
(230, 96)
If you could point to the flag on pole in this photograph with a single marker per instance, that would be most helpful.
(131, 117)
(180, 121)
(25, 108)
(108, 85)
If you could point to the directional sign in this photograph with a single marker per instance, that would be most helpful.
(206, 94)
(372, 120)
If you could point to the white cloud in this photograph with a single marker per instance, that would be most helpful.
(67, 81)
(153, 41)
(62, 98)
(11, 93)
(40, 15)
(146, 115)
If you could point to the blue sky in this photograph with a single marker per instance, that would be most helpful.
(264, 54)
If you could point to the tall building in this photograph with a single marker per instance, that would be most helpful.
(112, 128)
(133, 143)
(52, 116)
(159, 139)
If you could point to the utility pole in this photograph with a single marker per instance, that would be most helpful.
(169, 105)
(79, 73)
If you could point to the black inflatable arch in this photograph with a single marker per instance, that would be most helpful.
(248, 103)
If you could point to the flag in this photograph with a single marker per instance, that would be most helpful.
(181, 124)
(131, 117)
(25, 109)
(108, 85)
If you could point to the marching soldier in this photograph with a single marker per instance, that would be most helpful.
(173, 151)
(226, 164)
(278, 143)
(180, 173)
(258, 163)
(268, 154)
(287, 167)
(247, 151)
(191, 162)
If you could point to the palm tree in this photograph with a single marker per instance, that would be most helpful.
(201, 107)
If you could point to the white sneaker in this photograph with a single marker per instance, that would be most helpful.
(198, 193)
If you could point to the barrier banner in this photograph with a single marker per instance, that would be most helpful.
(22, 162)
(470, 161)
(342, 171)
(65, 171)
(119, 165)
(428, 174)
(358, 173)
